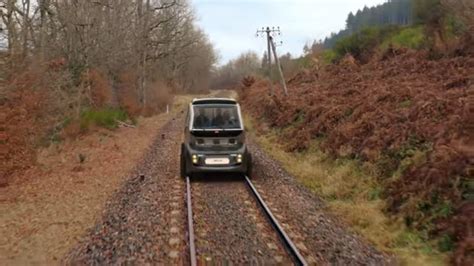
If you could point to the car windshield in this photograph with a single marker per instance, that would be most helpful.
(216, 117)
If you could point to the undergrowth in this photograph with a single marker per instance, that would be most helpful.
(353, 192)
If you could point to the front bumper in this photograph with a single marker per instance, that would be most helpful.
(202, 167)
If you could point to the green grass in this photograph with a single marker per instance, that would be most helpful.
(106, 118)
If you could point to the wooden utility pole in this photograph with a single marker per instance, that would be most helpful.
(269, 62)
(271, 47)
(277, 62)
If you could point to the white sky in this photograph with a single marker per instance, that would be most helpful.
(232, 24)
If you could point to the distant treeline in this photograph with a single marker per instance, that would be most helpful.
(393, 12)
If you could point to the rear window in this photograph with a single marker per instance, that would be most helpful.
(216, 117)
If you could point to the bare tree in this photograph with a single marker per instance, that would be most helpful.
(25, 25)
(8, 11)
(231, 74)
(151, 39)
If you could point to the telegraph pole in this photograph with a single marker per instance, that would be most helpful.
(271, 47)
(277, 62)
(269, 60)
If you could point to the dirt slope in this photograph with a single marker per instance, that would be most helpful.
(47, 209)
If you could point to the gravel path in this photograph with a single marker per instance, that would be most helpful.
(320, 238)
(230, 228)
(144, 221)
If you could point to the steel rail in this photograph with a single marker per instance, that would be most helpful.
(289, 245)
(192, 247)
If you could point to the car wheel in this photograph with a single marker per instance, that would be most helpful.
(249, 165)
(182, 162)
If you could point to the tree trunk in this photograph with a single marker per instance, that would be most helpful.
(25, 29)
(12, 34)
(43, 7)
(144, 42)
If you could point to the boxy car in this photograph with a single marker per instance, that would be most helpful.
(214, 139)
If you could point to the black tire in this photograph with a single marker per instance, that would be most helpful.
(182, 162)
(249, 165)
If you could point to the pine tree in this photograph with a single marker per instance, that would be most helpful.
(393, 12)
(350, 22)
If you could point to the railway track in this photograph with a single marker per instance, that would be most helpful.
(286, 242)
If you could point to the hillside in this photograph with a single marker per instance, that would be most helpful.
(404, 118)
(393, 12)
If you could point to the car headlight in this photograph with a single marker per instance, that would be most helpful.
(194, 159)
(239, 158)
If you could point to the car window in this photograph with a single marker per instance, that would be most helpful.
(216, 117)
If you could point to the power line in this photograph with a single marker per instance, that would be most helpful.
(270, 33)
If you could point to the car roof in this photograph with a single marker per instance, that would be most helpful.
(214, 101)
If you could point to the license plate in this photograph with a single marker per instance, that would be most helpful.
(217, 161)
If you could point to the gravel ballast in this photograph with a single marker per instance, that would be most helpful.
(138, 221)
(230, 227)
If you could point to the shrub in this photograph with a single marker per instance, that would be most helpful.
(361, 44)
(127, 92)
(303, 62)
(32, 104)
(106, 118)
(411, 37)
(455, 27)
(100, 93)
(157, 97)
(329, 56)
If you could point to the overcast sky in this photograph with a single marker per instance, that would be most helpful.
(232, 24)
